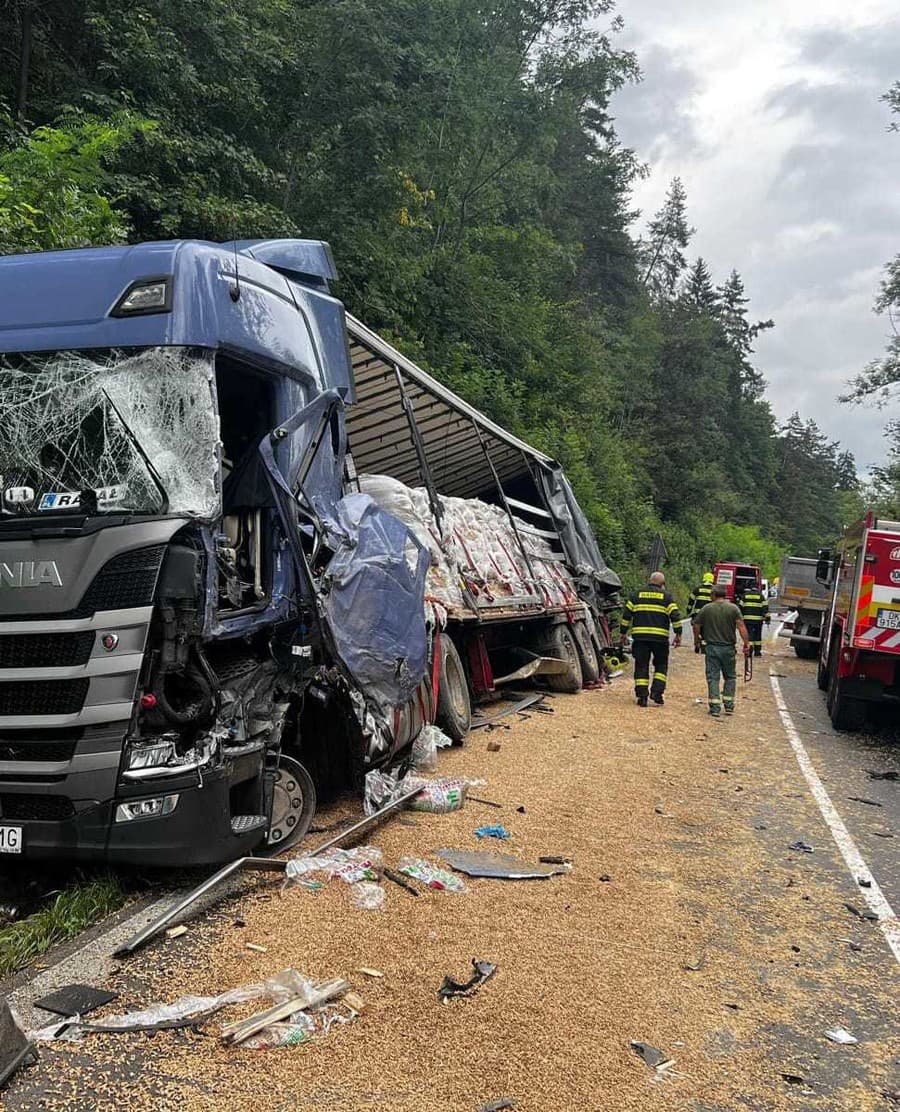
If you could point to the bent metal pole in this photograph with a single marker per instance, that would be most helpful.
(252, 864)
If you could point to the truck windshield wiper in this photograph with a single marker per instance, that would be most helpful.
(136, 444)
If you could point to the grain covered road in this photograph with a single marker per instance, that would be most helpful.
(687, 922)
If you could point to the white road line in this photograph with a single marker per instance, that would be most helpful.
(773, 637)
(874, 897)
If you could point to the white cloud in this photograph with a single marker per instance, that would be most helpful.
(770, 114)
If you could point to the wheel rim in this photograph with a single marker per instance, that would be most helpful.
(288, 801)
(456, 688)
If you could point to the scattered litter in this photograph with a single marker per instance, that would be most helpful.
(665, 814)
(492, 832)
(438, 797)
(882, 834)
(297, 995)
(400, 880)
(869, 916)
(431, 875)
(875, 775)
(256, 948)
(801, 847)
(842, 1036)
(16, 1049)
(695, 965)
(481, 971)
(520, 810)
(793, 1079)
(864, 882)
(553, 859)
(350, 865)
(650, 1054)
(486, 802)
(734, 1007)
(367, 895)
(369, 972)
(75, 1000)
(493, 746)
(176, 932)
(424, 749)
(498, 1105)
(500, 866)
(854, 946)
(605, 877)
(862, 799)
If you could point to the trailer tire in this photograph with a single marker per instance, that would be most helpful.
(822, 675)
(845, 713)
(293, 805)
(561, 643)
(805, 650)
(454, 706)
(587, 653)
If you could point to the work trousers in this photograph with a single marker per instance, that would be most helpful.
(720, 660)
(642, 651)
(754, 632)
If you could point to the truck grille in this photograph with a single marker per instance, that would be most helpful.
(124, 581)
(55, 751)
(43, 697)
(37, 808)
(45, 650)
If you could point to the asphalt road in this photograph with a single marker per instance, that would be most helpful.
(844, 762)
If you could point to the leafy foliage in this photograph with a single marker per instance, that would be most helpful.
(461, 159)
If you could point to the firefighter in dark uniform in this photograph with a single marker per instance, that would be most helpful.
(698, 598)
(647, 616)
(754, 611)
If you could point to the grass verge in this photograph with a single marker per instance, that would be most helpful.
(70, 913)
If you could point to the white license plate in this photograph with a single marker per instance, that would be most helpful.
(888, 619)
(10, 839)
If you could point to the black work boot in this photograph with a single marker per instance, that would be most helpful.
(642, 700)
(658, 699)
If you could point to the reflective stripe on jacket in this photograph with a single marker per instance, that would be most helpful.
(699, 597)
(754, 607)
(648, 614)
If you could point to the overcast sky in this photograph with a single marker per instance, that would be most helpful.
(769, 112)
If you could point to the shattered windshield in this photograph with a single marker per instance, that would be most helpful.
(134, 430)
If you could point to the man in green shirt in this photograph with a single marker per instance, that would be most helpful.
(717, 624)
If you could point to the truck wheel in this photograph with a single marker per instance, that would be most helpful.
(845, 713)
(454, 708)
(587, 653)
(561, 644)
(293, 805)
(805, 650)
(822, 675)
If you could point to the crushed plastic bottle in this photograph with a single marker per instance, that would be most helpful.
(432, 875)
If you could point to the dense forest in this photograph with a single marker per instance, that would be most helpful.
(461, 158)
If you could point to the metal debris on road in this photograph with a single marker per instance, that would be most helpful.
(801, 847)
(498, 866)
(554, 859)
(523, 704)
(482, 971)
(650, 1054)
(862, 799)
(869, 916)
(399, 879)
(75, 1000)
(842, 1036)
(486, 802)
(16, 1049)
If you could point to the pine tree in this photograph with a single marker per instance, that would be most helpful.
(699, 292)
(669, 235)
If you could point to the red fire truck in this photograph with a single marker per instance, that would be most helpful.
(859, 656)
(737, 578)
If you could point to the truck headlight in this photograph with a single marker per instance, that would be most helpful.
(161, 756)
(156, 808)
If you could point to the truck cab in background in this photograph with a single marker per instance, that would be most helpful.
(859, 654)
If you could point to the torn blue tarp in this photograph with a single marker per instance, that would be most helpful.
(373, 598)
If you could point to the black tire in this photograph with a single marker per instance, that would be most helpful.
(454, 706)
(822, 675)
(587, 653)
(293, 805)
(845, 713)
(805, 650)
(560, 643)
